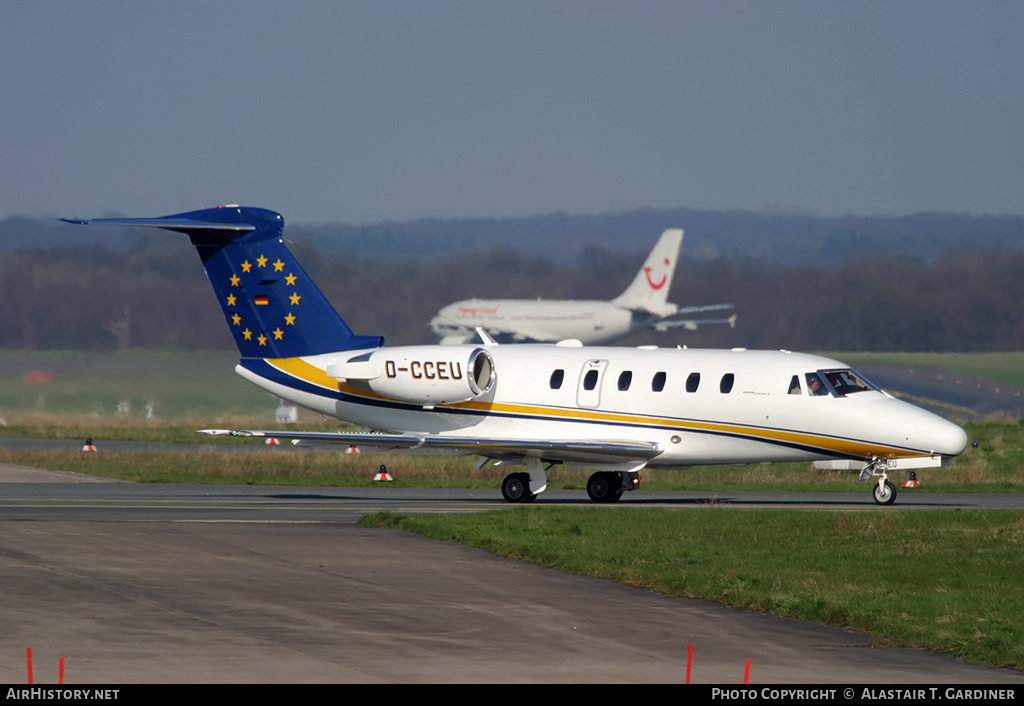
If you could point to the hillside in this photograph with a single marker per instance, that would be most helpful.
(774, 237)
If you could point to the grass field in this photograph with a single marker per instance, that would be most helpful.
(1005, 368)
(172, 385)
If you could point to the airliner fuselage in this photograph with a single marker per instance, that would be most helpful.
(590, 322)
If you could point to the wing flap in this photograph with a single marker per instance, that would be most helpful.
(602, 453)
(394, 441)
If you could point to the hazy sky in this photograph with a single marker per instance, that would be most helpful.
(366, 111)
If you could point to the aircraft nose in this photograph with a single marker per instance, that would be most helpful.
(942, 436)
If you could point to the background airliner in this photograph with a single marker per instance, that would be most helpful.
(643, 305)
(615, 410)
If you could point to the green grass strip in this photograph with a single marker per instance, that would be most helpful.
(947, 581)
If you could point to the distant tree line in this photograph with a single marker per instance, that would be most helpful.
(154, 295)
(781, 237)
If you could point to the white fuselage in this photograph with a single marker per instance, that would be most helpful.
(591, 322)
(629, 394)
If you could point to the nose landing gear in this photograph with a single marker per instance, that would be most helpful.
(884, 492)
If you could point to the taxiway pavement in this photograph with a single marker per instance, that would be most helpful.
(214, 584)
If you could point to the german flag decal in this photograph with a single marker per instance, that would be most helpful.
(262, 300)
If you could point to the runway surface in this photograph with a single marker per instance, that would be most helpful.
(197, 584)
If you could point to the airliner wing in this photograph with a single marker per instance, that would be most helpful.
(708, 307)
(691, 324)
(526, 335)
(604, 454)
(520, 335)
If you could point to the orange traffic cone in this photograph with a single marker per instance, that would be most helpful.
(912, 481)
(88, 445)
(383, 474)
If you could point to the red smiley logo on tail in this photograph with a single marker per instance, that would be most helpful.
(664, 278)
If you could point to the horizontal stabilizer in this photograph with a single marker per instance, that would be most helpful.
(180, 225)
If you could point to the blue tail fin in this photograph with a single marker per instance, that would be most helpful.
(273, 308)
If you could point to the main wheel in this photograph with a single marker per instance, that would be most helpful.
(604, 487)
(884, 494)
(516, 488)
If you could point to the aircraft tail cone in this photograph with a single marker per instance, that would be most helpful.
(88, 445)
(912, 481)
(382, 474)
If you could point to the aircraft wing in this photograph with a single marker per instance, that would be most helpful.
(610, 454)
(691, 324)
(519, 335)
(390, 441)
(525, 335)
(707, 307)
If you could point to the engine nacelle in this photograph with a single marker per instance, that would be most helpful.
(426, 375)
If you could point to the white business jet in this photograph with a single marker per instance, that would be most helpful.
(613, 410)
(643, 305)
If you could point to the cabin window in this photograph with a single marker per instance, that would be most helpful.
(725, 387)
(794, 386)
(590, 380)
(556, 379)
(693, 382)
(625, 378)
(658, 382)
(815, 385)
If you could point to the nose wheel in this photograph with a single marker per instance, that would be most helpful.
(884, 492)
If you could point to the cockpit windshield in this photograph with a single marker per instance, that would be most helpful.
(846, 382)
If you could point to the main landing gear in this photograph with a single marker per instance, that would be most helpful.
(525, 487)
(884, 491)
(602, 487)
(516, 488)
(608, 486)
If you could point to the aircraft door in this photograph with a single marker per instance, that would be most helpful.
(588, 391)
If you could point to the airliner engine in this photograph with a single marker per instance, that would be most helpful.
(426, 375)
